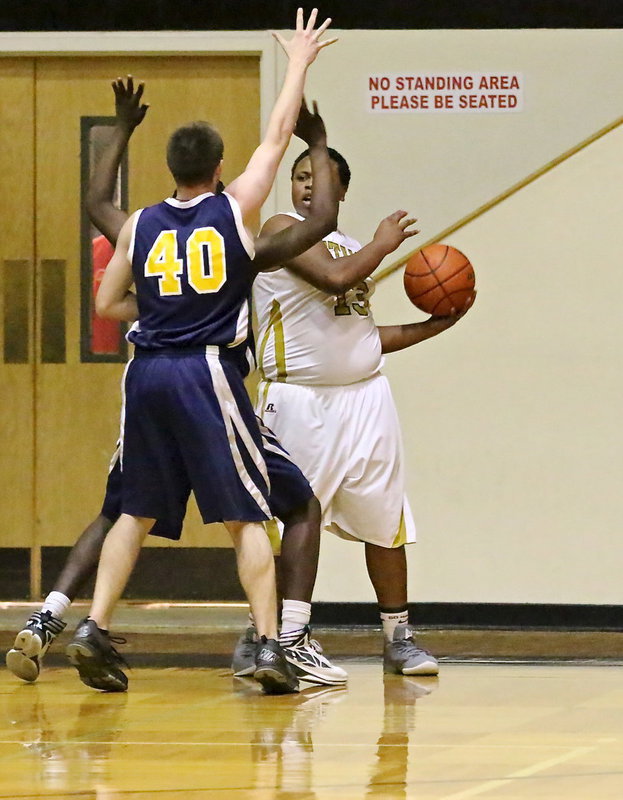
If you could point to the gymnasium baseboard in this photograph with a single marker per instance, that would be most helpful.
(209, 575)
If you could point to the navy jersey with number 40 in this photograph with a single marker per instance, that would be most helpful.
(192, 267)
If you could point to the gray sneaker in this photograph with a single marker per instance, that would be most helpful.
(402, 654)
(243, 660)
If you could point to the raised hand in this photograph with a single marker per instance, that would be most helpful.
(129, 110)
(394, 230)
(310, 126)
(305, 44)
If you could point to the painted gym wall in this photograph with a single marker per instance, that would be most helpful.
(510, 419)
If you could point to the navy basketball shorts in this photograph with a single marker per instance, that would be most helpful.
(289, 488)
(188, 424)
(111, 507)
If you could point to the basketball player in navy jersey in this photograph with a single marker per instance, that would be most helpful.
(299, 552)
(188, 423)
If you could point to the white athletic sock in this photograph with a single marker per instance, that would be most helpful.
(57, 604)
(295, 615)
(391, 619)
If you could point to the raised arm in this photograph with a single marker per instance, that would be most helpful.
(251, 188)
(295, 237)
(337, 275)
(398, 337)
(130, 112)
(114, 299)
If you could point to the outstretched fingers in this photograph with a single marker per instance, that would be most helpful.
(305, 35)
(321, 45)
(279, 38)
(396, 216)
(323, 28)
(310, 22)
(405, 223)
(126, 89)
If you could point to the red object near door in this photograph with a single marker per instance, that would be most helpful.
(105, 333)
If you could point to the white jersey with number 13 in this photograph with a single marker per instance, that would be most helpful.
(309, 337)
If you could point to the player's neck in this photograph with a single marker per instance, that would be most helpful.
(190, 192)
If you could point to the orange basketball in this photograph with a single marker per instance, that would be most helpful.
(438, 279)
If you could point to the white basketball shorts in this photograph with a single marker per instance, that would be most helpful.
(347, 442)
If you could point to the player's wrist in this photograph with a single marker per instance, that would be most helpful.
(298, 62)
(382, 247)
(125, 127)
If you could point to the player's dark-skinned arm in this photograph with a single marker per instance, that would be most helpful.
(335, 276)
(293, 240)
(130, 112)
(398, 337)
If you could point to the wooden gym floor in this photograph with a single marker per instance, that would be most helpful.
(495, 728)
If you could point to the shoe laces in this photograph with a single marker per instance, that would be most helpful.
(315, 644)
(115, 653)
(409, 643)
(307, 641)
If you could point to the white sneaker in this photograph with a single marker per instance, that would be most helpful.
(32, 643)
(309, 663)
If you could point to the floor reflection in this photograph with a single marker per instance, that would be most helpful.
(389, 773)
(282, 747)
(69, 745)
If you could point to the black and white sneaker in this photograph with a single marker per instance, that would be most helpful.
(310, 664)
(32, 643)
(98, 663)
(272, 670)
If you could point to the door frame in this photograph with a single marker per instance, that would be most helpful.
(159, 43)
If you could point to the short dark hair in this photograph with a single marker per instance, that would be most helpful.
(342, 165)
(194, 151)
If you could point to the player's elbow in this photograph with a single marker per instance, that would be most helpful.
(93, 206)
(104, 306)
(335, 284)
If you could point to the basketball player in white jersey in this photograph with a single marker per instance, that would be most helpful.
(320, 356)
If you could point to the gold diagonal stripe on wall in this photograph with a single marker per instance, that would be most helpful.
(385, 273)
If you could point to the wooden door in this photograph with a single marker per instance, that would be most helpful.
(17, 332)
(17, 456)
(75, 411)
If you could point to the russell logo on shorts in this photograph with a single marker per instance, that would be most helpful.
(270, 408)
